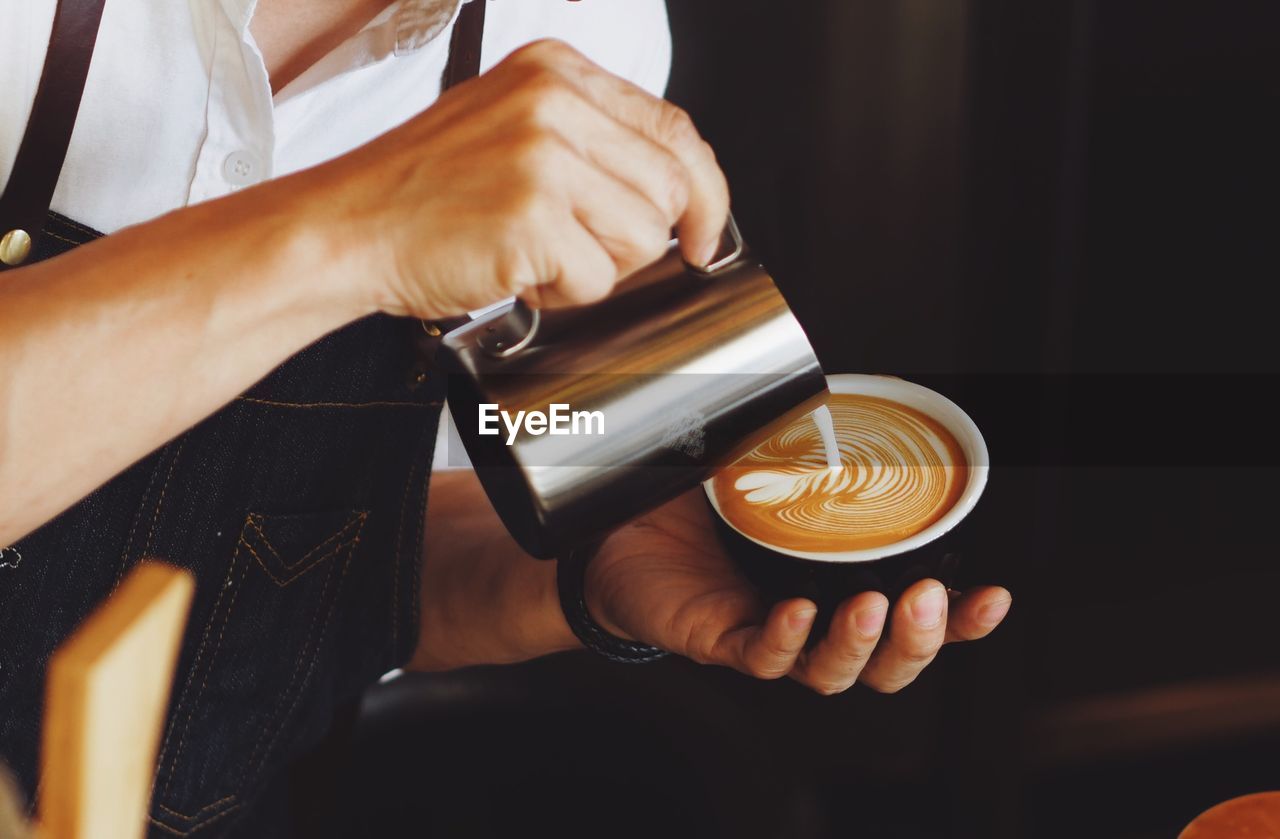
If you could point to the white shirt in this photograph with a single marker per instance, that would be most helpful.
(178, 106)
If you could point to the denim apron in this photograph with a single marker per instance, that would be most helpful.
(299, 508)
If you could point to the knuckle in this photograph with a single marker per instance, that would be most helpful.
(543, 51)
(707, 155)
(655, 243)
(890, 686)
(675, 124)
(707, 151)
(544, 96)
(553, 49)
(830, 688)
(538, 154)
(675, 188)
(523, 214)
(767, 670)
(643, 246)
(701, 638)
(595, 285)
(778, 653)
(514, 270)
(522, 201)
(772, 662)
(855, 660)
(918, 656)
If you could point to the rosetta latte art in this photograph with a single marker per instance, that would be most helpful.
(900, 472)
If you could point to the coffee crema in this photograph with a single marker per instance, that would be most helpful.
(901, 472)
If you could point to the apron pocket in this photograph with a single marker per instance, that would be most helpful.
(261, 648)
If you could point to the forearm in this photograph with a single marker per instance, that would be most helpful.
(114, 348)
(483, 599)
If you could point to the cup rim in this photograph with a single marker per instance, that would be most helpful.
(934, 405)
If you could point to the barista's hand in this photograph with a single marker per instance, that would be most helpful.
(665, 581)
(547, 178)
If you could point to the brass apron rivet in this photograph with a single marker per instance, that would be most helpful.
(14, 247)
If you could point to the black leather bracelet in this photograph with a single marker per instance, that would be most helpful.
(571, 574)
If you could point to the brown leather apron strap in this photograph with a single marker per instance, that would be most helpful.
(464, 63)
(29, 192)
(464, 46)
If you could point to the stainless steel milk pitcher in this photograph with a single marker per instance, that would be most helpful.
(580, 419)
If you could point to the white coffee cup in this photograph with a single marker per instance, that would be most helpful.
(930, 403)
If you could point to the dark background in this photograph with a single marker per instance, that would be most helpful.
(1062, 214)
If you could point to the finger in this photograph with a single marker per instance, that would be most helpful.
(624, 222)
(918, 627)
(707, 209)
(647, 166)
(768, 651)
(835, 664)
(581, 270)
(973, 614)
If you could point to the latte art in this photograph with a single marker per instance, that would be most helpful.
(900, 472)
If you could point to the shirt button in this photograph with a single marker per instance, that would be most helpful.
(242, 168)
(14, 247)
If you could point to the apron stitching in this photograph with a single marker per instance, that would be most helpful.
(196, 827)
(173, 764)
(74, 225)
(155, 516)
(137, 519)
(399, 567)
(282, 583)
(201, 810)
(62, 238)
(248, 767)
(355, 544)
(293, 679)
(274, 404)
(416, 549)
(256, 522)
(395, 575)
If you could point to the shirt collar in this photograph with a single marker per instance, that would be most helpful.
(418, 22)
(414, 23)
(239, 12)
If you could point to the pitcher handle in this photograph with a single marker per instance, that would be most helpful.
(733, 237)
(517, 330)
